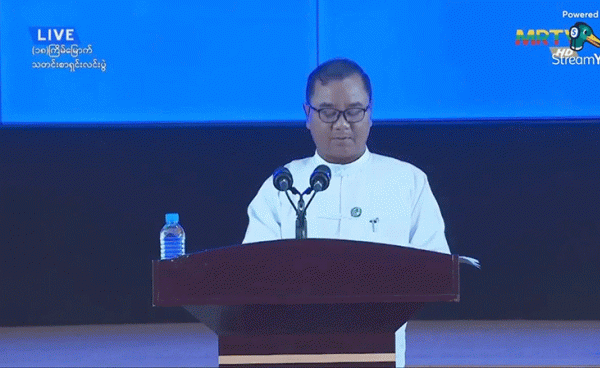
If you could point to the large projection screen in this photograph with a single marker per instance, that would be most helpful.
(150, 61)
(462, 60)
(156, 61)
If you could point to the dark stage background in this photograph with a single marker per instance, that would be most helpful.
(81, 209)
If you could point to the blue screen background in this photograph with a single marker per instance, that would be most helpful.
(247, 62)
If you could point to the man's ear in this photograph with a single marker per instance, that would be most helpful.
(307, 112)
(306, 109)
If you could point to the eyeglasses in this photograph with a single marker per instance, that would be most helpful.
(331, 115)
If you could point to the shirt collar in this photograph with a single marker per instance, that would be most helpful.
(344, 169)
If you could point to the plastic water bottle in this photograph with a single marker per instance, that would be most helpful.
(172, 238)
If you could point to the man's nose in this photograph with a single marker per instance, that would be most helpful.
(341, 123)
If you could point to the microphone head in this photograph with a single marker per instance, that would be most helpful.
(319, 180)
(282, 179)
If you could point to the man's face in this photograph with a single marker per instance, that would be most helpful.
(340, 142)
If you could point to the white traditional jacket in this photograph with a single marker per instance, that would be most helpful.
(375, 199)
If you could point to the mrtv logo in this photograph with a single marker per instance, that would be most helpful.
(565, 44)
(54, 35)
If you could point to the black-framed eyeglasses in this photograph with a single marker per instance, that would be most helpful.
(331, 115)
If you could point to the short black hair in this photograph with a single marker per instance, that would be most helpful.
(336, 69)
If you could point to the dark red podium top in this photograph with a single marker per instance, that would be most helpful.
(310, 271)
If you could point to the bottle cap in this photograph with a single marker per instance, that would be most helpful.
(172, 217)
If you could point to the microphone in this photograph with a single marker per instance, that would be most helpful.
(319, 179)
(282, 179)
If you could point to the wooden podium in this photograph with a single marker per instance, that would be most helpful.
(312, 302)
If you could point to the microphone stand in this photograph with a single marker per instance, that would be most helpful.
(319, 181)
(300, 211)
(301, 220)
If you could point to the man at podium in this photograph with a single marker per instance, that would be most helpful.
(370, 197)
